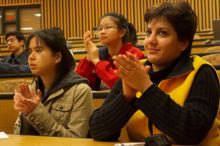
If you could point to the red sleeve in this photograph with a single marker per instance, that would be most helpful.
(86, 69)
(105, 71)
(139, 54)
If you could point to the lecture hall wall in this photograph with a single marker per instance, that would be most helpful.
(77, 16)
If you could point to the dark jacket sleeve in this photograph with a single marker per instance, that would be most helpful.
(7, 68)
(107, 121)
(188, 124)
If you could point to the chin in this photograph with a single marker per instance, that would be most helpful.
(104, 42)
(34, 73)
(151, 59)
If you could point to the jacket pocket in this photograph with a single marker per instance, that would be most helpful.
(61, 112)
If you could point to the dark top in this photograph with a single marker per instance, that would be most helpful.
(14, 64)
(186, 125)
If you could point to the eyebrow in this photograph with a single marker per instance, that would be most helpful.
(160, 28)
(11, 39)
(106, 24)
(35, 47)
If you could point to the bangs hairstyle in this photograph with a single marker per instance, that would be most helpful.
(180, 15)
(54, 39)
(19, 36)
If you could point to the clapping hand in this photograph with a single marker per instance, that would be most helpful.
(133, 73)
(25, 99)
(92, 50)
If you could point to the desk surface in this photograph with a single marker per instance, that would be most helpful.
(17, 140)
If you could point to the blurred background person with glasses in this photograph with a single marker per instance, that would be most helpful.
(118, 37)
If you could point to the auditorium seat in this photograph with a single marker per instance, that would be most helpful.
(8, 86)
(214, 59)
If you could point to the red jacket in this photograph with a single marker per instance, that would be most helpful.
(104, 69)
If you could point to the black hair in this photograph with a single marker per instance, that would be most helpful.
(122, 23)
(17, 34)
(54, 39)
(181, 16)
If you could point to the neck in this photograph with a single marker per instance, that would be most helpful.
(114, 49)
(48, 79)
(160, 67)
(156, 68)
(18, 52)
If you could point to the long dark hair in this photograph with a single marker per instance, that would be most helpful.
(54, 39)
(122, 23)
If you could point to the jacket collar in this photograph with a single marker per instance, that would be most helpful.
(70, 79)
(182, 65)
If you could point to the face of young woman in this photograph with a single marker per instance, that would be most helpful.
(108, 31)
(161, 44)
(41, 60)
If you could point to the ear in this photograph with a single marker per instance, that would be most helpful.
(58, 57)
(123, 32)
(183, 45)
(21, 42)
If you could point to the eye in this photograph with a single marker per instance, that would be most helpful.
(99, 28)
(108, 27)
(38, 49)
(148, 32)
(163, 33)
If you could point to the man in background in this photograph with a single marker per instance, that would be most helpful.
(17, 62)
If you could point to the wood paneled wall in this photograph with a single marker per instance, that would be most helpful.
(77, 16)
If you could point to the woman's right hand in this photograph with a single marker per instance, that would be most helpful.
(130, 69)
(25, 100)
(87, 37)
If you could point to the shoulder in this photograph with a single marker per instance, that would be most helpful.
(206, 71)
(206, 81)
(131, 47)
(204, 67)
(5, 58)
(22, 58)
(81, 93)
(81, 88)
(137, 51)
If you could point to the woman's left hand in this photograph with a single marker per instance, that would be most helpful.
(94, 54)
(25, 100)
(133, 71)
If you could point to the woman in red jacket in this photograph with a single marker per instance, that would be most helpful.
(118, 36)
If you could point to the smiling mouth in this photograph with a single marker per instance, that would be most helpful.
(102, 38)
(152, 50)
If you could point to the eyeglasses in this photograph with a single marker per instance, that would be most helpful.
(100, 28)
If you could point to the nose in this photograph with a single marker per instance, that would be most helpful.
(31, 56)
(150, 39)
(8, 42)
(102, 31)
